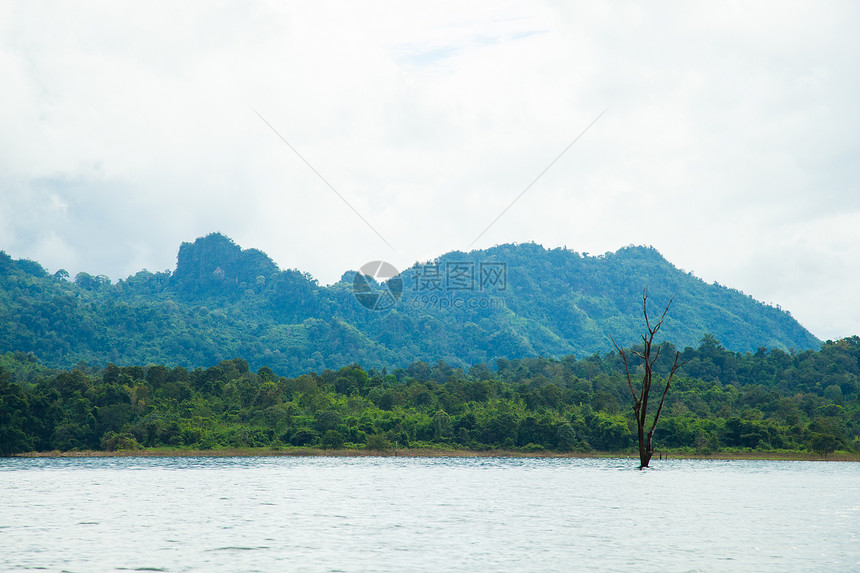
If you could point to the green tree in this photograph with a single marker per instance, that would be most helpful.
(14, 417)
(378, 442)
(565, 437)
(332, 440)
(824, 444)
(441, 424)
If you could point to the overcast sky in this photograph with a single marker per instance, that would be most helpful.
(730, 139)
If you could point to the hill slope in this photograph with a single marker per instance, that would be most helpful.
(508, 301)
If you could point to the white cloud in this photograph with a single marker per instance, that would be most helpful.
(729, 144)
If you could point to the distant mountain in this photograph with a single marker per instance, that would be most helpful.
(509, 301)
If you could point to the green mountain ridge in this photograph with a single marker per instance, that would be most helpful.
(223, 301)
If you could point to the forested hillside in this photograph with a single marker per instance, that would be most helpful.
(721, 400)
(510, 301)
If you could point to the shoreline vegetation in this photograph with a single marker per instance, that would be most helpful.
(726, 405)
(438, 453)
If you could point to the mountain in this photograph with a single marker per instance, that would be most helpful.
(509, 301)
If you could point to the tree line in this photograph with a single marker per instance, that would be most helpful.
(720, 400)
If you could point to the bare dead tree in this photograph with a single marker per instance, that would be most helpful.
(640, 400)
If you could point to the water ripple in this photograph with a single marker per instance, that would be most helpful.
(426, 514)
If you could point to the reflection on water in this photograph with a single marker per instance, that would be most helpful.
(426, 514)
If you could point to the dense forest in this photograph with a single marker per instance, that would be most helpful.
(510, 301)
(721, 400)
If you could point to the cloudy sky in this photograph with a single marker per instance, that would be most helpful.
(730, 139)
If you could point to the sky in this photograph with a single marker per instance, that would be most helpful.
(330, 134)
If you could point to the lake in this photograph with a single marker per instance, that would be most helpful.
(426, 514)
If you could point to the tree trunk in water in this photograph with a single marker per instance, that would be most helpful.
(645, 450)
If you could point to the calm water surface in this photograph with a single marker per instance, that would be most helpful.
(424, 514)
